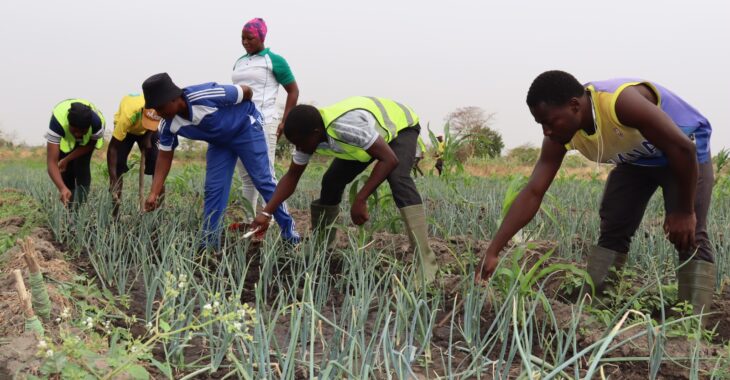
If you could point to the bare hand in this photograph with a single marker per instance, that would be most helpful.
(65, 195)
(150, 204)
(62, 165)
(260, 223)
(485, 268)
(359, 212)
(680, 230)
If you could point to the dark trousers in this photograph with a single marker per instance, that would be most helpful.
(126, 147)
(628, 190)
(342, 172)
(77, 176)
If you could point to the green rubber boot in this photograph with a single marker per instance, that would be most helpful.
(600, 262)
(417, 227)
(323, 217)
(696, 283)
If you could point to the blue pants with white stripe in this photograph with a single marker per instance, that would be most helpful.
(250, 147)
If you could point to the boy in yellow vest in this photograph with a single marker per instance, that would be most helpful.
(132, 124)
(76, 128)
(440, 154)
(357, 131)
(655, 139)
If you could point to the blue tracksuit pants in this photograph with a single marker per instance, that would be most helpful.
(250, 147)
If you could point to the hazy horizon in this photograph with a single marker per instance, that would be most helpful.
(435, 57)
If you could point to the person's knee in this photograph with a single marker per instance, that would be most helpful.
(212, 189)
(330, 179)
(149, 168)
(332, 188)
(701, 254)
(331, 191)
(405, 194)
(329, 197)
(703, 250)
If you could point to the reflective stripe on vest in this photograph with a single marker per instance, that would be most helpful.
(68, 140)
(392, 117)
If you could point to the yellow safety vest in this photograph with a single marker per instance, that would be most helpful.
(68, 141)
(392, 117)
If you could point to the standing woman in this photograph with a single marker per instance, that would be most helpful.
(263, 71)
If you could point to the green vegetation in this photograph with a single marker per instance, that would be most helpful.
(150, 305)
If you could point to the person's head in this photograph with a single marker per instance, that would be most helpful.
(162, 95)
(304, 128)
(79, 119)
(556, 100)
(253, 35)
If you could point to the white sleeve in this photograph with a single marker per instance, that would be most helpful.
(301, 158)
(357, 128)
(240, 94)
(53, 137)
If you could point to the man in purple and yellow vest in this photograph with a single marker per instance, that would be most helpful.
(655, 139)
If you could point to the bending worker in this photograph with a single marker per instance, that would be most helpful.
(357, 131)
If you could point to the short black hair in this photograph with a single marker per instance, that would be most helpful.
(301, 122)
(554, 88)
(80, 115)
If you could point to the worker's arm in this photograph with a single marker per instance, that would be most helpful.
(292, 96)
(284, 189)
(636, 107)
(386, 162)
(247, 92)
(525, 206)
(111, 162)
(53, 151)
(76, 153)
(162, 169)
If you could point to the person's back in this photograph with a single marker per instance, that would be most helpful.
(217, 115)
(617, 144)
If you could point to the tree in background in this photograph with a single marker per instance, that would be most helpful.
(6, 139)
(525, 154)
(472, 126)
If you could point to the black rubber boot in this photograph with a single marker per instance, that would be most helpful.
(600, 262)
(696, 283)
(417, 227)
(323, 217)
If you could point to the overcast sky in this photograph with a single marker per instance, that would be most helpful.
(432, 55)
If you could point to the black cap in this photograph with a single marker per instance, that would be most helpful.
(158, 90)
(80, 115)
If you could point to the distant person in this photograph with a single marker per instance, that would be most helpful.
(132, 124)
(356, 132)
(420, 151)
(263, 71)
(76, 128)
(655, 139)
(225, 118)
(440, 154)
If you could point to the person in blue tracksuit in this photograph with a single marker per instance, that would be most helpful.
(225, 118)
